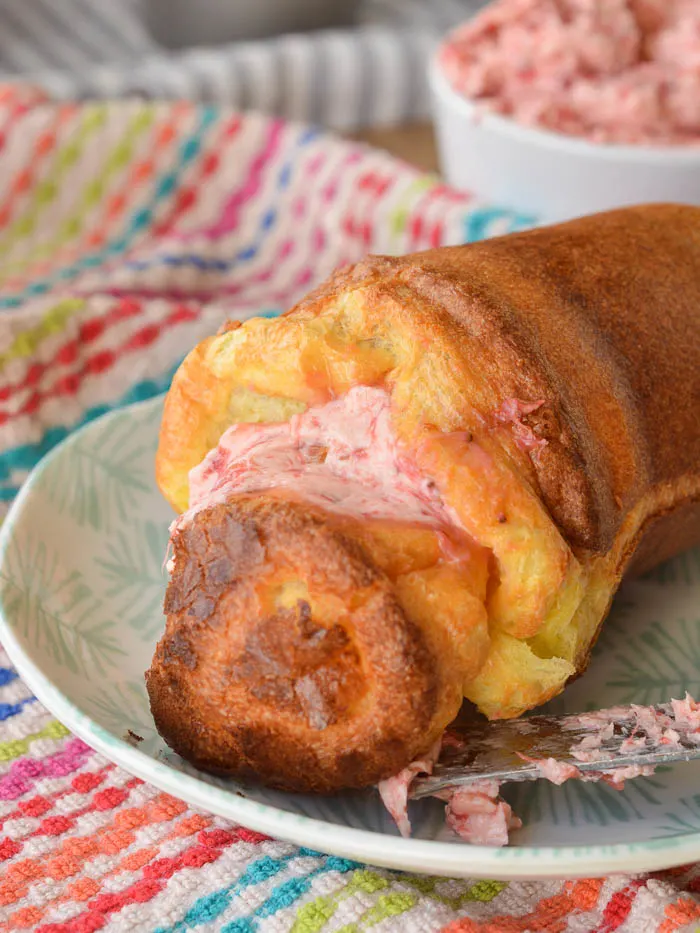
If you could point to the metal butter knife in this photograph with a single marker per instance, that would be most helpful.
(599, 741)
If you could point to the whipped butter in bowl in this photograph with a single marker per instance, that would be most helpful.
(564, 108)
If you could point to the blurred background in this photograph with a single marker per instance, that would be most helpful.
(614, 84)
(345, 64)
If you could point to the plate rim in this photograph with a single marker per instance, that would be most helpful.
(389, 851)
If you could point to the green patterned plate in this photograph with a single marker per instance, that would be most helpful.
(81, 586)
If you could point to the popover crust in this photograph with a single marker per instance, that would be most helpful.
(240, 680)
(547, 385)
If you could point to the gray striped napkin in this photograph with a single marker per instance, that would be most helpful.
(369, 75)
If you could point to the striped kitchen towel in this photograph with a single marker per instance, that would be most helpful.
(371, 74)
(128, 231)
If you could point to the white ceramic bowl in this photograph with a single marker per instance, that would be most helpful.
(549, 175)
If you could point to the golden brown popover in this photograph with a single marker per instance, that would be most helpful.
(421, 484)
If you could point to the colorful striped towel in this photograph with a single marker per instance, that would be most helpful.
(127, 232)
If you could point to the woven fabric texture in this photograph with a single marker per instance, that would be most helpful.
(129, 231)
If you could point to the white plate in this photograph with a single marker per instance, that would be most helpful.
(81, 585)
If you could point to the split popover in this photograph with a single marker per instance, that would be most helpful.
(421, 484)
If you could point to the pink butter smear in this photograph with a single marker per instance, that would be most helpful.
(342, 456)
(477, 813)
(613, 71)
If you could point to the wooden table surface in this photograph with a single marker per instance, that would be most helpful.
(414, 142)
